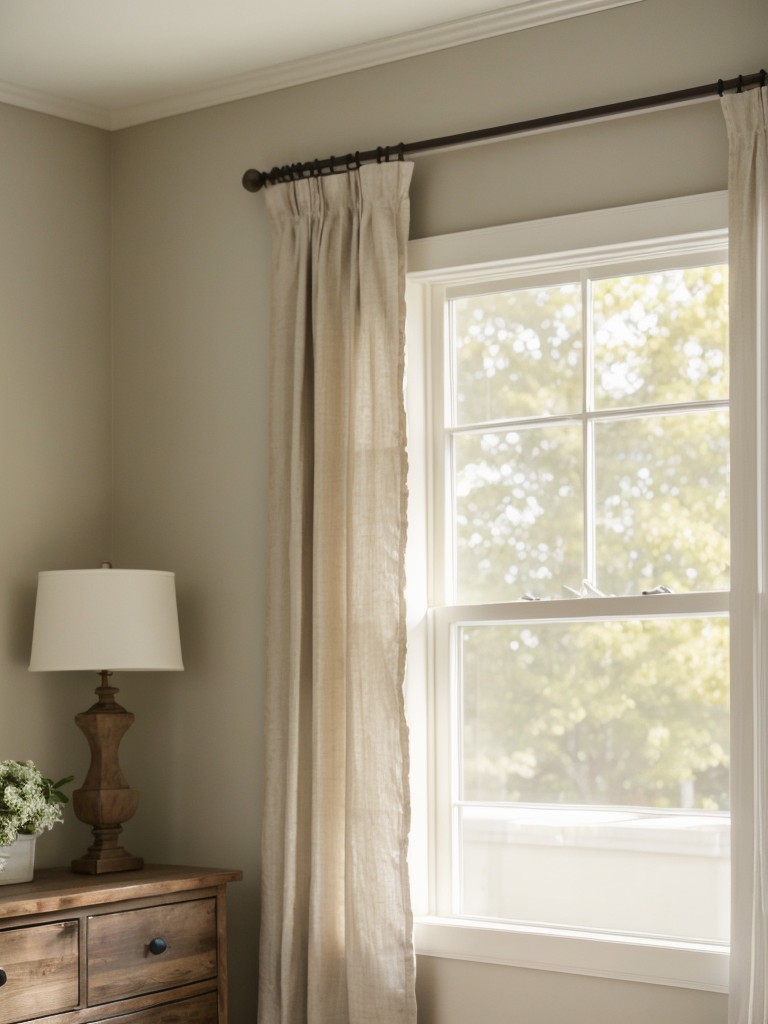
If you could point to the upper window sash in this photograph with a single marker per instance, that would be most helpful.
(581, 269)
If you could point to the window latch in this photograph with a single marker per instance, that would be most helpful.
(587, 589)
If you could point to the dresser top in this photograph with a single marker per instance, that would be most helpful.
(55, 889)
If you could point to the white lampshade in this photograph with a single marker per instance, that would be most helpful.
(106, 619)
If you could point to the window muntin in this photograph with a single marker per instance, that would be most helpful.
(571, 489)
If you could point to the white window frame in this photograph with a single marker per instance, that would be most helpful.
(674, 229)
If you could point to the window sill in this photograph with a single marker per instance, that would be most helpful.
(628, 958)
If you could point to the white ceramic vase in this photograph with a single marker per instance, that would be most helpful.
(17, 861)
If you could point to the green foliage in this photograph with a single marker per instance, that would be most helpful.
(52, 793)
(628, 713)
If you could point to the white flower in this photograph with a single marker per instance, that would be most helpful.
(29, 803)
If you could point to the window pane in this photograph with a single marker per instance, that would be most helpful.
(594, 766)
(518, 513)
(661, 337)
(517, 354)
(626, 872)
(662, 503)
(617, 713)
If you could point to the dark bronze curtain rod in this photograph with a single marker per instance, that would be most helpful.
(253, 181)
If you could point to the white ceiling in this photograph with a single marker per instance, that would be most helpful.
(117, 62)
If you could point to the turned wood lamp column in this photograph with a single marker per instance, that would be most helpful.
(105, 799)
(106, 619)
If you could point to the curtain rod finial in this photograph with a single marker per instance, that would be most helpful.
(254, 181)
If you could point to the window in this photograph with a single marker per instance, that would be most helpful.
(569, 661)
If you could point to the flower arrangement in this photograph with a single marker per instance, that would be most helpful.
(29, 802)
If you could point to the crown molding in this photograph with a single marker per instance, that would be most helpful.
(513, 18)
(521, 14)
(56, 106)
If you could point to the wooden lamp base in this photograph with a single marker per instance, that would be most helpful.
(105, 800)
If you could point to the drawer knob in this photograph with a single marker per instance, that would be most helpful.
(3, 977)
(158, 946)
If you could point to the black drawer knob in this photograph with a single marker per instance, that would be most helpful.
(158, 946)
(3, 977)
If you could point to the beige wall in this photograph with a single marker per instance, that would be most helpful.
(190, 294)
(55, 397)
(455, 992)
(191, 301)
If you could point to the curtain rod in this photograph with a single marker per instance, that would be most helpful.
(254, 181)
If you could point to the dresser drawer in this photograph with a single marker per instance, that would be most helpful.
(201, 1010)
(120, 960)
(40, 967)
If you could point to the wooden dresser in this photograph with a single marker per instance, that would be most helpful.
(138, 947)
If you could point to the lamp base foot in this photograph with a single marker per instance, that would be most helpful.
(93, 866)
(105, 856)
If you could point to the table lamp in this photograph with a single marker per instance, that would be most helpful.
(106, 620)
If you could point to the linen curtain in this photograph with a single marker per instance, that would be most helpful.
(336, 933)
(746, 116)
